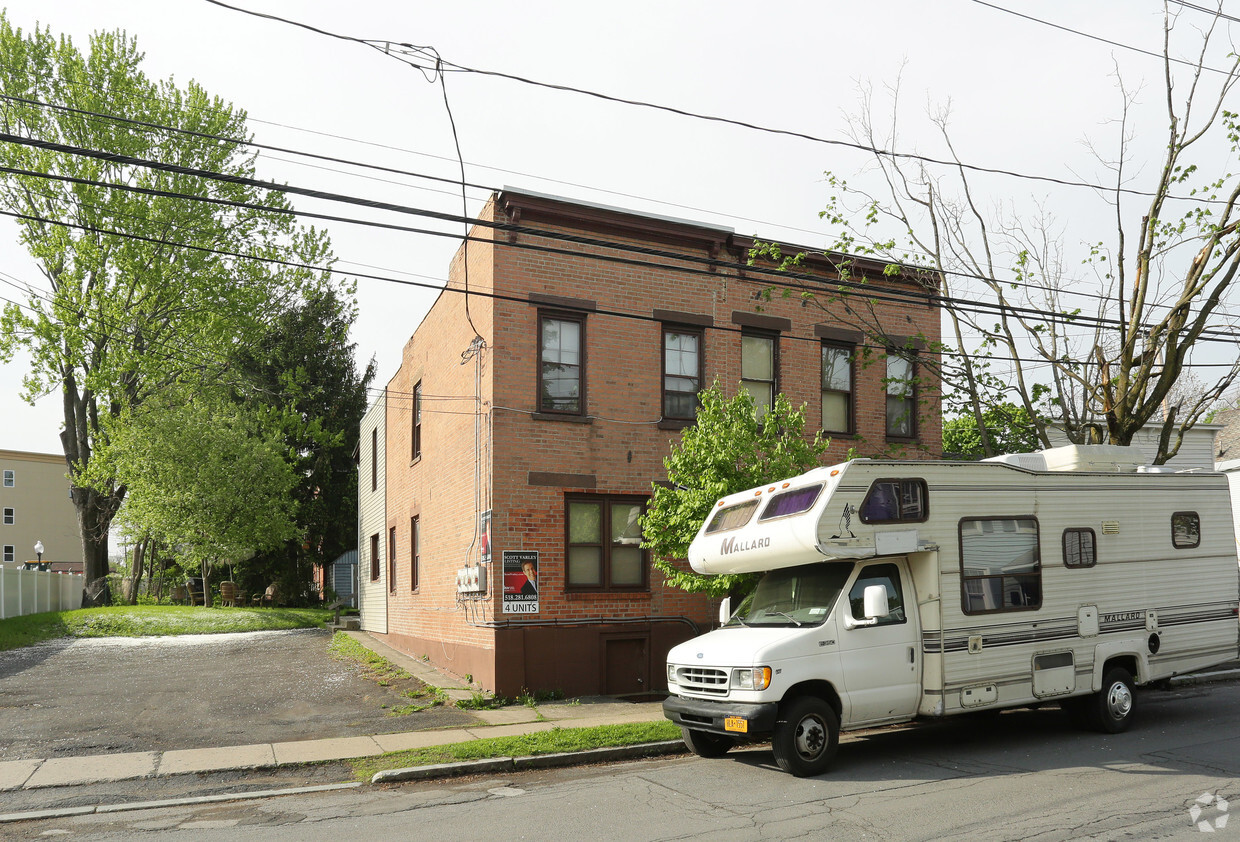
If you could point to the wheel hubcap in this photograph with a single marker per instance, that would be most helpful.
(1119, 700)
(811, 737)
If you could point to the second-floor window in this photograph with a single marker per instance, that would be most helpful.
(837, 389)
(759, 369)
(901, 397)
(374, 459)
(374, 557)
(561, 372)
(414, 539)
(682, 372)
(10, 516)
(9, 479)
(392, 559)
(417, 420)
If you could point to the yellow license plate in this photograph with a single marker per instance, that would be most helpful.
(736, 723)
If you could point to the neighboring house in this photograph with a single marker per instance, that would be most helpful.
(35, 506)
(341, 576)
(1196, 451)
(524, 431)
(372, 517)
(1227, 443)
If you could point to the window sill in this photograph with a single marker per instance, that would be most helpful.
(553, 416)
(606, 594)
(675, 423)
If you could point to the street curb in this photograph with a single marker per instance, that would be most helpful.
(534, 761)
(64, 812)
(1204, 677)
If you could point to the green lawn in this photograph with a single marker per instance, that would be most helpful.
(150, 620)
(541, 742)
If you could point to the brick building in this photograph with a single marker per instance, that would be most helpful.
(529, 418)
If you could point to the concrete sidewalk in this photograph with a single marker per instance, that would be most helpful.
(505, 722)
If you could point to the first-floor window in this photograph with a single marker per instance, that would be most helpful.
(9, 552)
(1000, 564)
(414, 538)
(901, 397)
(603, 550)
(10, 516)
(374, 557)
(392, 559)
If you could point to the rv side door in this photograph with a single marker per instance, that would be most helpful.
(881, 657)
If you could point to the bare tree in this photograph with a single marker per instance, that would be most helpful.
(1101, 370)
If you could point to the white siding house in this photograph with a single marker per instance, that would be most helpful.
(1197, 451)
(372, 518)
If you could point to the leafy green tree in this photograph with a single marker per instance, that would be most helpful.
(725, 451)
(144, 291)
(306, 360)
(210, 478)
(1010, 429)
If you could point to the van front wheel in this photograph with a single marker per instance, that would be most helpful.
(706, 744)
(806, 737)
(1110, 710)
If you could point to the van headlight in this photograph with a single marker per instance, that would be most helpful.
(671, 673)
(758, 678)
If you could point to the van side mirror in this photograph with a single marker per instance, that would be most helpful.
(725, 610)
(875, 601)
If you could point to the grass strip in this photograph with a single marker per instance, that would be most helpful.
(542, 742)
(152, 620)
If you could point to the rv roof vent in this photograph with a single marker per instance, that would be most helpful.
(1028, 461)
(1110, 527)
(1155, 469)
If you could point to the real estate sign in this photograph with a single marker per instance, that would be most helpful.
(520, 581)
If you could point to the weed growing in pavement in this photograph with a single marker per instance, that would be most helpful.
(481, 701)
(428, 696)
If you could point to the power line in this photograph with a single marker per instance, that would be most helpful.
(440, 64)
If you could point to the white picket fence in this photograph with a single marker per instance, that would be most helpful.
(35, 591)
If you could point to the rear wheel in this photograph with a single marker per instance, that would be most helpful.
(1110, 710)
(806, 737)
(706, 744)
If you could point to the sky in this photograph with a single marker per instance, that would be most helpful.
(1024, 97)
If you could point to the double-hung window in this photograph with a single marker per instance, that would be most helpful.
(392, 559)
(414, 539)
(374, 557)
(603, 547)
(10, 552)
(760, 369)
(10, 479)
(682, 372)
(417, 421)
(10, 516)
(901, 397)
(837, 388)
(561, 371)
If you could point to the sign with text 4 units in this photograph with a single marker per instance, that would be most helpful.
(520, 581)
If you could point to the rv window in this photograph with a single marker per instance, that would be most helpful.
(1185, 530)
(887, 575)
(732, 517)
(1078, 548)
(895, 501)
(1000, 565)
(790, 502)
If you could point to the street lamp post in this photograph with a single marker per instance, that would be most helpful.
(38, 548)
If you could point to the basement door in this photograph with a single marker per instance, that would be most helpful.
(626, 664)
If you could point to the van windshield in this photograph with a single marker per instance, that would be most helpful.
(793, 596)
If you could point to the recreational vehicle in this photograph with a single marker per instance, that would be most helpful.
(892, 590)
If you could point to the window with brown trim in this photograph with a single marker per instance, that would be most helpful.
(374, 459)
(417, 421)
(414, 540)
(1000, 565)
(1080, 548)
(901, 388)
(760, 368)
(837, 388)
(603, 543)
(374, 557)
(682, 371)
(1185, 530)
(392, 559)
(562, 363)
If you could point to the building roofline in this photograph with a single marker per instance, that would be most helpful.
(30, 456)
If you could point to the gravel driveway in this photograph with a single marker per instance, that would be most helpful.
(105, 695)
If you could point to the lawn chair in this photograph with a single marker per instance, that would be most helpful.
(269, 597)
(228, 594)
(194, 591)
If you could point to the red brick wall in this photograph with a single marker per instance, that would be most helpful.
(622, 447)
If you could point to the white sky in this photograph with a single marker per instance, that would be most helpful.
(1023, 95)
